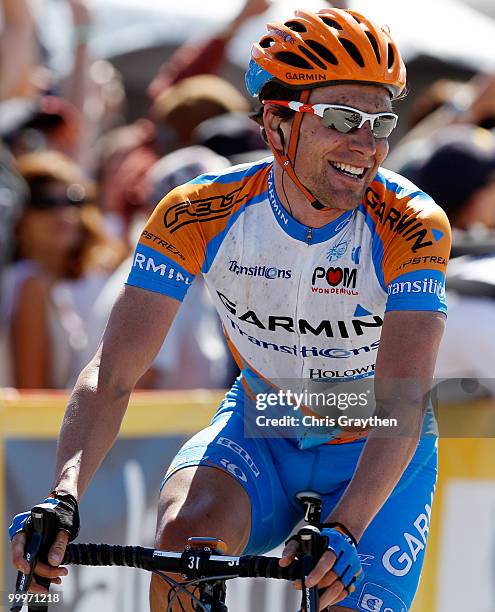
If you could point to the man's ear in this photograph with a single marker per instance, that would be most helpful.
(275, 129)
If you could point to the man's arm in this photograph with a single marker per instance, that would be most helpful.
(136, 329)
(205, 57)
(17, 40)
(403, 376)
(135, 332)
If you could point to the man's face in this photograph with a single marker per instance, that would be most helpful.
(321, 148)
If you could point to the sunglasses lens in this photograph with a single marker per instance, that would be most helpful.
(384, 125)
(46, 198)
(341, 119)
(344, 121)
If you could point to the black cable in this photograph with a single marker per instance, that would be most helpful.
(176, 588)
(193, 597)
(285, 194)
(181, 587)
(282, 139)
(170, 582)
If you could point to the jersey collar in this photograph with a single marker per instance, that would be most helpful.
(297, 230)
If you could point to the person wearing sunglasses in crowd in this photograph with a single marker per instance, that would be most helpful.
(324, 268)
(62, 258)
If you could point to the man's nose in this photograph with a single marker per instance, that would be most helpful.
(363, 140)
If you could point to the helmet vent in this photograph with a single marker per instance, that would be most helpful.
(312, 57)
(295, 26)
(391, 56)
(353, 51)
(331, 22)
(357, 19)
(323, 52)
(374, 44)
(266, 42)
(291, 59)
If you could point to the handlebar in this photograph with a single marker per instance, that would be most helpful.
(188, 563)
(198, 561)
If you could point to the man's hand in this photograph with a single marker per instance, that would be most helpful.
(253, 8)
(483, 104)
(53, 571)
(338, 571)
(63, 508)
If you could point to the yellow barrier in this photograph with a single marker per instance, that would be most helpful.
(465, 461)
(38, 415)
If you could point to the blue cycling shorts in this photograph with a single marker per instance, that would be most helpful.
(274, 470)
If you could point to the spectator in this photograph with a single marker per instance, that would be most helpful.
(194, 354)
(13, 191)
(178, 105)
(19, 52)
(131, 151)
(118, 201)
(12, 194)
(232, 135)
(93, 88)
(65, 113)
(442, 93)
(180, 109)
(49, 122)
(62, 258)
(178, 168)
(443, 104)
(459, 174)
(206, 57)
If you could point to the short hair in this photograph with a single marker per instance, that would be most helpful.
(275, 91)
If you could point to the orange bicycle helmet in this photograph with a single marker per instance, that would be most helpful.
(331, 46)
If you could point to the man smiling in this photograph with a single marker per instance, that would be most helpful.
(353, 250)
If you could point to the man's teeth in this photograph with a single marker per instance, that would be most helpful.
(354, 170)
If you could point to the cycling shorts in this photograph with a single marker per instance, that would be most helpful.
(274, 470)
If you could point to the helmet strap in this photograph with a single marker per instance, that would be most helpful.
(287, 160)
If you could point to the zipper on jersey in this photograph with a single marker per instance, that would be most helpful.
(309, 235)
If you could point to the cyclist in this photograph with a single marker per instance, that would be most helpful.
(323, 266)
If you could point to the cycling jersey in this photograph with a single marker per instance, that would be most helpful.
(297, 302)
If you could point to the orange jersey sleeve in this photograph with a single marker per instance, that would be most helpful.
(415, 236)
(187, 227)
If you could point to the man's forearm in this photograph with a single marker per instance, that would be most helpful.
(380, 467)
(18, 40)
(90, 426)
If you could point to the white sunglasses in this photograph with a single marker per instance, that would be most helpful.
(344, 118)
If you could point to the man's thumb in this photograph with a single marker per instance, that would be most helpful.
(57, 549)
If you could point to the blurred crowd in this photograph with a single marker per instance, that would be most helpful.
(77, 183)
